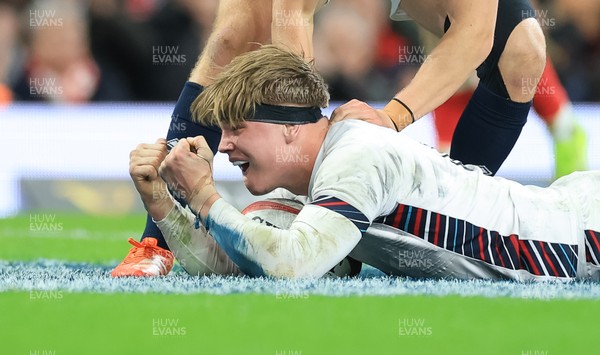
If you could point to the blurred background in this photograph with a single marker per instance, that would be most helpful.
(82, 82)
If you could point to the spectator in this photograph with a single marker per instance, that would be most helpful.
(150, 45)
(356, 50)
(577, 35)
(59, 67)
(9, 30)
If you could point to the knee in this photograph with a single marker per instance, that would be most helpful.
(531, 47)
(526, 50)
(240, 26)
(228, 39)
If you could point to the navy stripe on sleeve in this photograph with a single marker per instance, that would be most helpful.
(358, 218)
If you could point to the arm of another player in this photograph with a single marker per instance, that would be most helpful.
(317, 240)
(461, 50)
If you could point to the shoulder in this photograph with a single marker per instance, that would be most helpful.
(358, 140)
(355, 133)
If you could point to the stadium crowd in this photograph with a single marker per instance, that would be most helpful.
(143, 50)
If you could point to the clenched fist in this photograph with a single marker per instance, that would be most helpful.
(187, 170)
(144, 162)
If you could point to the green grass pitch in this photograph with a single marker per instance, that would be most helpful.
(125, 323)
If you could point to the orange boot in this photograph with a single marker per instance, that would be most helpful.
(146, 258)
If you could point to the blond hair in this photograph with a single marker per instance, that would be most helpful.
(269, 75)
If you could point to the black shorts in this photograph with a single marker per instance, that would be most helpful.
(510, 14)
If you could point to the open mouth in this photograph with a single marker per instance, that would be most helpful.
(243, 165)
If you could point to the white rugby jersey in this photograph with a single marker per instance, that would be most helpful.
(482, 222)
(402, 207)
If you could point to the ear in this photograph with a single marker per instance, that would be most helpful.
(291, 132)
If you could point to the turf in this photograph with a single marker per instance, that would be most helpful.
(261, 324)
(81, 238)
(57, 298)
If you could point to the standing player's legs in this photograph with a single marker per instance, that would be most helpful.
(446, 116)
(492, 122)
(552, 104)
(239, 26)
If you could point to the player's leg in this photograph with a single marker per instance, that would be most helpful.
(495, 116)
(446, 116)
(239, 26)
(552, 104)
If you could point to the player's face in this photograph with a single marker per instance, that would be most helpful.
(254, 147)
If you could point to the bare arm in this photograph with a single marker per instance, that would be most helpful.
(461, 50)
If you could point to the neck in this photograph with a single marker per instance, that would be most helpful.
(311, 141)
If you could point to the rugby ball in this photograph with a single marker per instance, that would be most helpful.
(280, 213)
(274, 212)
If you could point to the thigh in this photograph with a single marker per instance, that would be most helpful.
(240, 26)
(516, 34)
(523, 60)
(251, 20)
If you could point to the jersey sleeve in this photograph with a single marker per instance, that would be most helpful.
(195, 250)
(345, 209)
(315, 242)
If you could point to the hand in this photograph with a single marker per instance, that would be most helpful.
(356, 109)
(399, 114)
(144, 162)
(187, 170)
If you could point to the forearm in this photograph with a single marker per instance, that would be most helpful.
(316, 241)
(158, 202)
(465, 45)
(444, 71)
(195, 249)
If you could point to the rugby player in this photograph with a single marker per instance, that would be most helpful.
(371, 192)
(490, 124)
(239, 27)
